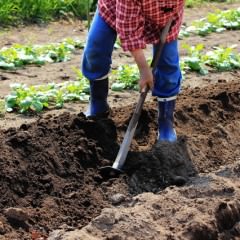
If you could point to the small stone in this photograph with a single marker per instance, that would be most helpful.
(16, 214)
(118, 198)
(66, 227)
(106, 219)
(56, 234)
(199, 201)
(105, 162)
(179, 180)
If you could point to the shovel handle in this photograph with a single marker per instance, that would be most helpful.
(153, 65)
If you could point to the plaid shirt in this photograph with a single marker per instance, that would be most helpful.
(138, 22)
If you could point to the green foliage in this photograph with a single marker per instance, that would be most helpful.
(223, 59)
(2, 108)
(194, 3)
(35, 98)
(125, 77)
(214, 22)
(14, 12)
(20, 55)
(219, 59)
(194, 60)
(9, 12)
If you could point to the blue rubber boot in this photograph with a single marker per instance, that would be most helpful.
(166, 131)
(98, 106)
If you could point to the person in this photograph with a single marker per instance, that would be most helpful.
(137, 23)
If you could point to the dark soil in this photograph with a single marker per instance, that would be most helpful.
(49, 169)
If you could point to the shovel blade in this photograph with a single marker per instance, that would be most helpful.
(110, 172)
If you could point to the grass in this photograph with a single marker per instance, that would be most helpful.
(14, 12)
(193, 3)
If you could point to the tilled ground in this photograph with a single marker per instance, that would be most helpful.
(49, 170)
(206, 208)
(49, 163)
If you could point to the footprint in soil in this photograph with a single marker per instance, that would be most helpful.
(166, 164)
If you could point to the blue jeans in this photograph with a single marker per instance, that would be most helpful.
(97, 55)
(97, 59)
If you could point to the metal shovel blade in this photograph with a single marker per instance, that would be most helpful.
(110, 172)
(116, 168)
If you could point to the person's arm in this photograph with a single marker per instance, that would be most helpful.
(146, 76)
(130, 27)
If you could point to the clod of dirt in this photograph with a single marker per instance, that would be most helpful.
(17, 214)
(17, 218)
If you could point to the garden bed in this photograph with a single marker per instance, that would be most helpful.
(51, 186)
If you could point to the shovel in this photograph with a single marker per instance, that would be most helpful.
(116, 168)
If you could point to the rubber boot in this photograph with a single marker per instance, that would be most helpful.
(166, 131)
(98, 106)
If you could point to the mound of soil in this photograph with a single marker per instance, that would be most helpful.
(49, 170)
(208, 208)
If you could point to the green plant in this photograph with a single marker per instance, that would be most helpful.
(194, 3)
(14, 12)
(25, 98)
(20, 55)
(125, 77)
(218, 21)
(219, 59)
(2, 108)
(194, 61)
(223, 59)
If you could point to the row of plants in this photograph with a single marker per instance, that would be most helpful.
(218, 21)
(35, 98)
(20, 55)
(218, 59)
(25, 98)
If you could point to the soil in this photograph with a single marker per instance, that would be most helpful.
(51, 183)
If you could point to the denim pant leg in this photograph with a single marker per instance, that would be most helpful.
(167, 74)
(97, 55)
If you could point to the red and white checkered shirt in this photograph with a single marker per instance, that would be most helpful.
(138, 22)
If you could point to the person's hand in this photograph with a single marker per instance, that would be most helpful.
(146, 79)
(146, 76)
